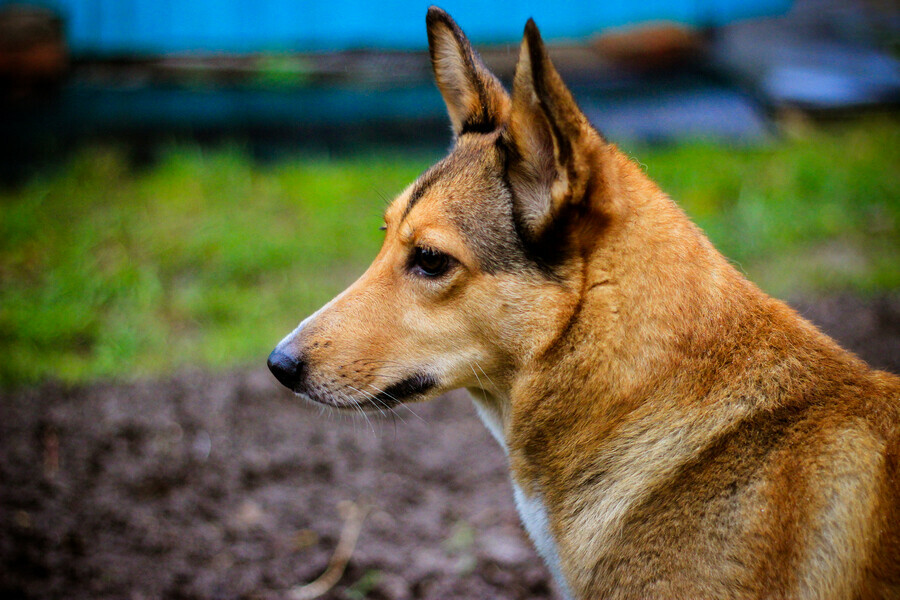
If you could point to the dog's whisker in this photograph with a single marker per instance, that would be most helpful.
(491, 381)
(397, 400)
(478, 379)
(480, 385)
(391, 409)
(375, 402)
(414, 413)
(356, 405)
(385, 198)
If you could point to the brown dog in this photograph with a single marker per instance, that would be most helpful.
(672, 432)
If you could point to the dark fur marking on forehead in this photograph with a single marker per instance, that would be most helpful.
(482, 211)
(441, 169)
(422, 185)
(488, 231)
(481, 206)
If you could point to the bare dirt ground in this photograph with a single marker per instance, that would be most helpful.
(210, 486)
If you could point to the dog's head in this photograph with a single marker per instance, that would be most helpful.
(474, 276)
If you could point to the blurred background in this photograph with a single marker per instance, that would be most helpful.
(182, 182)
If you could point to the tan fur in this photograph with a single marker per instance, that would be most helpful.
(689, 436)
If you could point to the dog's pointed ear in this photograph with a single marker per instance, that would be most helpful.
(475, 98)
(551, 143)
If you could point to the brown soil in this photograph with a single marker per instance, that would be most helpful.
(209, 486)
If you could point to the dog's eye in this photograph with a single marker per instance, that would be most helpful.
(430, 262)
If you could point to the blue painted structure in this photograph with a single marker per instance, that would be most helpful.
(145, 27)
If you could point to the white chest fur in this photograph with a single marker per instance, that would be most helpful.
(534, 517)
(531, 508)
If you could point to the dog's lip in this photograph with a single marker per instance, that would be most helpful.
(392, 396)
(407, 388)
(366, 405)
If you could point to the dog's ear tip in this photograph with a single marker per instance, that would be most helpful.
(435, 15)
(532, 33)
(532, 43)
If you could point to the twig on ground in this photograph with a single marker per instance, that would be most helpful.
(353, 515)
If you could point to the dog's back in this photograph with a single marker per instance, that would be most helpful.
(763, 464)
(716, 443)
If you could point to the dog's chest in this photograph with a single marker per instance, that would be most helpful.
(534, 518)
(531, 509)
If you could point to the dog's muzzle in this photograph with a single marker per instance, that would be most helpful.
(288, 370)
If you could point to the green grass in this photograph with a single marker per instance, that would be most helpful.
(207, 259)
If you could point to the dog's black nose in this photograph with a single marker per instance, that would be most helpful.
(286, 369)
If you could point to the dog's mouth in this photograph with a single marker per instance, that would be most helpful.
(340, 391)
(405, 390)
(367, 396)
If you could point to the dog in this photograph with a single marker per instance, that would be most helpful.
(671, 430)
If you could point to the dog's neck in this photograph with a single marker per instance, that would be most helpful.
(654, 296)
(494, 411)
(648, 280)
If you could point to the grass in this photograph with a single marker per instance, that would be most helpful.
(204, 259)
(207, 258)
